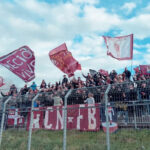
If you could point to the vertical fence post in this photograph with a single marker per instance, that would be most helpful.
(65, 120)
(107, 120)
(3, 118)
(135, 124)
(31, 122)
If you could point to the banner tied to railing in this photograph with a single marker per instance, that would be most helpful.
(83, 117)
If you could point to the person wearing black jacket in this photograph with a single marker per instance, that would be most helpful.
(127, 74)
(131, 93)
(24, 90)
(65, 80)
(144, 91)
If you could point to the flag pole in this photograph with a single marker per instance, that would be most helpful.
(27, 83)
(131, 66)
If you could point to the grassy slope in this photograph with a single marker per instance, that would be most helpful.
(125, 139)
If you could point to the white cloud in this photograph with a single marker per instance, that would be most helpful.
(128, 7)
(148, 48)
(136, 52)
(91, 2)
(138, 25)
(147, 59)
(146, 9)
(97, 19)
(139, 46)
(34, 6)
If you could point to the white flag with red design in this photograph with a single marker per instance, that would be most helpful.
(120, 48)
(15, 118)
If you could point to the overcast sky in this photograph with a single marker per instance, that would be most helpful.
(45, 24)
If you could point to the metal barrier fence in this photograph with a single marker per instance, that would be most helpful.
(118, 118)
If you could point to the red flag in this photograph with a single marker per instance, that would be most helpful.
(64, 60)
(1, 82)
(120, 48)
(145, 69)
(137, 70)
(103, 72)
(15, 118)
(21, 62)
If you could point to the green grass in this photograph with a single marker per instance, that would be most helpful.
(125, 139)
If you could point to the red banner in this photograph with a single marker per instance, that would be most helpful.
(14, 118)
(1, 82)
(21, 62)
(37, 119)
(145, 69)
(79, 117)
(64, 60)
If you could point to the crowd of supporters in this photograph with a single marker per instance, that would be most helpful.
(123, 88)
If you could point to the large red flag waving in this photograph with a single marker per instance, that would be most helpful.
(21, 62)
(63, 59)
(120, 48)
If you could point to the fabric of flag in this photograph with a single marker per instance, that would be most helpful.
(120, 48)
(145, 69)
(63, 59)
(137, 70)
(21, 62)
(1, 81)
(92, 72)
(103, 72)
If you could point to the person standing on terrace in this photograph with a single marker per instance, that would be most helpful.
(33, 86)
(127, 74)
(57, 99)
(90, 99)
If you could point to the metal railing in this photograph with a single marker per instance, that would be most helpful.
(119, 107)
